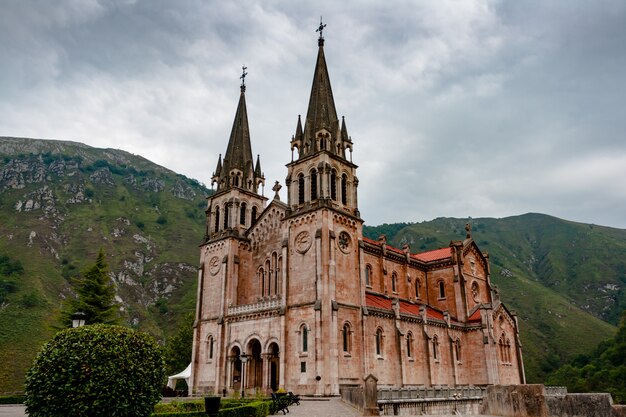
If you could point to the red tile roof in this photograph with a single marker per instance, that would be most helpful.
(434, 255)
(429, 256)
(376, 301)
(475, 316)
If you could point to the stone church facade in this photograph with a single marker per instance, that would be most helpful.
(292, 295)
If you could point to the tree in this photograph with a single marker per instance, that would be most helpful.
(97, 371)
(178, 347)
(95, 294)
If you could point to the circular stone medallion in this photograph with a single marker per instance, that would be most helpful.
(303, 241)
(214, 265)
(344, 242)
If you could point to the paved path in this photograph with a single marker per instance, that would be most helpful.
(322, 407)
(12, 411)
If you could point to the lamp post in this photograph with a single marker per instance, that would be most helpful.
(78, 319)
(244, 358)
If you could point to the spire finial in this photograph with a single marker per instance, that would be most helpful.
(243, 78)
(320, 29)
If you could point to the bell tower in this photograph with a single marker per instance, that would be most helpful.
(322, 174)
(236, 203)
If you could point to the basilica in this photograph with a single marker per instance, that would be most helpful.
(292, 296)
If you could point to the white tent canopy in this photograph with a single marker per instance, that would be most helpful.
(186, 374)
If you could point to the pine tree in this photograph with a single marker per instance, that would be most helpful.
(95, 296)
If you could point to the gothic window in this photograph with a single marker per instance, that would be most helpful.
(508, 351)
(236, 180)
(226, 212)
(253, 215)
(417, 288)
(368, 275)
(210, 348)
(275, 265)
(301, 189)
(322, 143)
(501, 349)
(242, 214)
(344, 189)
(333, 185)
(262, 281)
(409, 344)
(435, 348)
(268, 275)
(457, 349)
(217, 218)
(277, 269)
(442, 290)
(346, 334)
(379, 342)
(394, 282)
(305, 338)
(313, 185)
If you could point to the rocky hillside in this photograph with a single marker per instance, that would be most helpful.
(59, 203)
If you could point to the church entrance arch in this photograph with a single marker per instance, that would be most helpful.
(254, 367)
(273, 360)
(235, 368)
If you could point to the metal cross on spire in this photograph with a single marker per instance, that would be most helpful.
(243, 78)
(320, 29)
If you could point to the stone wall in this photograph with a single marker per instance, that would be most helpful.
(580, 405)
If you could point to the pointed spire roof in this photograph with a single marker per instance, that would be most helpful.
(321, 112)
(239, 151)
(257, 169)
(238, 154)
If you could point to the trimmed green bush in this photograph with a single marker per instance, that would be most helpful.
(97, 371)
(12, 399)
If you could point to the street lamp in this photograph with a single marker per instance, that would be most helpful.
(78, 319)
(244, 358)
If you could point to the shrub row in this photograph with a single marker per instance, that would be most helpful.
(12, 399)
(259, 408)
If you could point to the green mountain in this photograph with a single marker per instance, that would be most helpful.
(60, 202)
(565, 279)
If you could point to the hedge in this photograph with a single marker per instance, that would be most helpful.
(12, 399)
(255, 408)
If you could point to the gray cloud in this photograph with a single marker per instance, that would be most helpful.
(474, 108)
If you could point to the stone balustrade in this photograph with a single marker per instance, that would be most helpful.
(255, 307)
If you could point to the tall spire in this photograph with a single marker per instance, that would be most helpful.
(237, 167)
(321, 113)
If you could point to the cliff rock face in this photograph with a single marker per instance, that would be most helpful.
(60, 202)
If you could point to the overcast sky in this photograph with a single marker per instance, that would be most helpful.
(456, 108)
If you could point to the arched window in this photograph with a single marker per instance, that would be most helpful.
(313, 184)
(301, 189)
(236, 180)
(226, 212)
(379, 342)
(305, 338)
(457, 349)
(344, 189)
(394, 282)
(253, 215)
(242, 214)
(442, 290)
(368, 275)
(217, 218)
(277, 269)
(417, 288)
(508, 351)
(409, 344)
(435, 348)
(275, 278)
(501, 349)
(268, 275)
(333, 185)
(210, 348)
(346, 333)
(262, 279)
